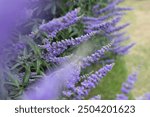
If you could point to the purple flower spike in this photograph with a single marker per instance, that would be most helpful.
(93, 80)
(108, 8)
(117, 35)
(87, 61)
(82, 90)
(104, 25)
(56, 25)
(116, 29)
(129, 84)
(119, 40)
(93, 20)
(58, 60)
(56, 48)
(122, 50)
(123, 9)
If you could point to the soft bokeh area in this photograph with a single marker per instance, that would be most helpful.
(140, 33)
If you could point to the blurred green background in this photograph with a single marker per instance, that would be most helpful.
(140, 33)
(139, 55)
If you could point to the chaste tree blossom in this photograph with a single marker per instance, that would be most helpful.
(87, 61)
(106, 20)
(122, 50)
(117, 46)
(109, 8)
(127, 86)
(119, 40)
(90, 20)
(112, 29)
(58, 24)
(104, 26)
(115, 35)
(59, 60)
(77, 91)
(56, 48)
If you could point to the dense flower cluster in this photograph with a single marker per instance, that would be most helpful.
(103, 26)
(74, 86)
(75, 91)
(87, 61)
(56, 48)
(56, 25)
(127, 86)
(100, 19)
(59, 60)
(109, 24)
(112, 7)
(122, 50)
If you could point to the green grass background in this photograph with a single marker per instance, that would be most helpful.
(111, 84)
(140, 33)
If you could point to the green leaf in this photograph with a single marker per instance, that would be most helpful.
(27, 75)
(38, 65)
(35, 48)
(10, 83)
(13, 81)
(16, 65)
